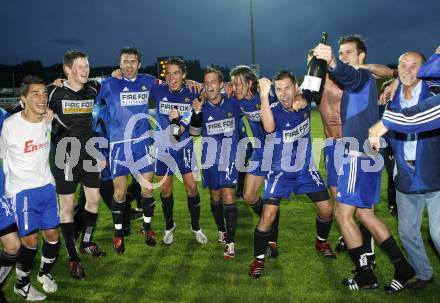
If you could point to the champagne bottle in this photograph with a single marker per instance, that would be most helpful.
(175, 127)
(313, 80)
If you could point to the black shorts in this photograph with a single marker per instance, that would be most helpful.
(67, 178)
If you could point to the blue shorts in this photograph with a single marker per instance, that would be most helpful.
(333, 164)
(7, 217)
(283, 184)
(36, 209)
(214, 179)
(257, 157)
(358, 184)
(169, 161)
(131, 157)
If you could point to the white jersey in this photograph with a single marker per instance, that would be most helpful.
(24, 147)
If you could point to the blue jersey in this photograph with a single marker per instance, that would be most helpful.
(422, 177)
(292, 129)
(430, 69)
(422, 117)
(100, 120)
(251, 109)
(165, 100)
(125, 99)
(221, 123)
(3, 115)
(359, 106)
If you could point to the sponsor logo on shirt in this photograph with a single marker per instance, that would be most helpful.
(30, 146)
(220, 127)
(293, 135)
(77, 106)
(253, 116)
(134, 98)
(166, 107)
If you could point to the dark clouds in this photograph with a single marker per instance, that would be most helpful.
(213, 31)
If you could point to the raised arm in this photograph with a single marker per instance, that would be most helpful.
(267, 118)
(352, 79)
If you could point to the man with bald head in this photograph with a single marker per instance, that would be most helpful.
(417, 186)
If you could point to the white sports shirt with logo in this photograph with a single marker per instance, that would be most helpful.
(24, 147)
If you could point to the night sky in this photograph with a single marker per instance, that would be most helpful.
(213, 31)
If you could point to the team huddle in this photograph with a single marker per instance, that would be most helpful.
(97, 135)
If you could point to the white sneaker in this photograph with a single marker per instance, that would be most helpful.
(168, 235)
(229, 252)
(200, 236)
(29, 293)
(221, 237)
(48, 283)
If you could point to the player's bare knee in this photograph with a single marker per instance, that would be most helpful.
(249, 197)
(325, 210)
(119, 195)
(191, 190)
(66, 212)
(12, 246)
(30, 241)
(51, 235)
(92, 202)
(166, 191)
(146, 192)
(364, 216)
(66, 207)
(264, 225)
(268, 216)
(228, 198)
(216, 196)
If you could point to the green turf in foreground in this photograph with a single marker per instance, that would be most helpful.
(189, 272)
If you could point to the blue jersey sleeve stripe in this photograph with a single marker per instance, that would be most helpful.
(401, 125)
(418, 118)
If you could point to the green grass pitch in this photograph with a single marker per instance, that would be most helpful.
(189, 272)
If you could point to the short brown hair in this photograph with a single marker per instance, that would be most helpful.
(356, 38)
(212, 70)
(177, 61)
(71, 55)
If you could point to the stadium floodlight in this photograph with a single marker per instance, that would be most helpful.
(161, 63)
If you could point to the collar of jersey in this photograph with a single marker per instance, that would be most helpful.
(130, 80)
(71, 88)
(215, 105)
(282, 107)
(177, 91)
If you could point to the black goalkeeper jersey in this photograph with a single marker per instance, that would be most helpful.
(72, 112)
